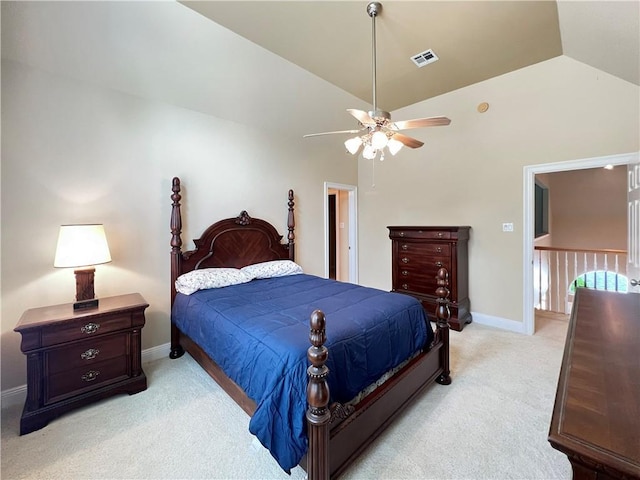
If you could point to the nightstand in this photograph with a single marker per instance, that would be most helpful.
(75, 358)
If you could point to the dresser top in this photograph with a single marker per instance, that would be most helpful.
(55, 313)
(430, 228)
(418, 233)
(597, 409)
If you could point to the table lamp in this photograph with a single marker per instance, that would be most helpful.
(82, 246)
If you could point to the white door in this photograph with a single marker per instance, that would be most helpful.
(633, 229)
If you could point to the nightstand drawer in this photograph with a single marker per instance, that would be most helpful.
(78, 380)
(86, 353)
(85, 328)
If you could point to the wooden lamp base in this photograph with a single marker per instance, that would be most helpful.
(85, 295)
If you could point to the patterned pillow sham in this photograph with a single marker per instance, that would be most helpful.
(274, 268)
(210, 278)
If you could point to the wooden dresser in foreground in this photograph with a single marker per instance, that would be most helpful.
(596, 417)
(77, 357)
(417, 253)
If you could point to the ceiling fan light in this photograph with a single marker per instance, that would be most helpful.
(369, 152)
(379, 140)
(394, 146)
(353, 145)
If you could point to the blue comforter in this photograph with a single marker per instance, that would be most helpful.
(258, 333)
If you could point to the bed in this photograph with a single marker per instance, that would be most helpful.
(322, 367)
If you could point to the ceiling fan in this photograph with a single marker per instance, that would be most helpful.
(377, 131)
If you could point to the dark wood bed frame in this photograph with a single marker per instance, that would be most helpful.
(337, 433)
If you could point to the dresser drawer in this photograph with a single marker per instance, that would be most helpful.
(86, 353)
(425, 262)
(420, 234)
(85, 328)
(85, 378)
(424, 249)
(418, 281)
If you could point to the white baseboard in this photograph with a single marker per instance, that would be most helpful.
(14, 396)
(17, 395)
(498, 322)
(156, 353)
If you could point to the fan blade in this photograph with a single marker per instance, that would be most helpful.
(361, 116)
(422, 122)
(407, 141)
(330, 133)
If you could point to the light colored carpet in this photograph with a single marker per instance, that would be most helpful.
(490, 423)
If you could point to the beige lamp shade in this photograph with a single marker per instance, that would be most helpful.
(81, 246)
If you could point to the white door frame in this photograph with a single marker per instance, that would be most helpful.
(529, 216)
(353, 228)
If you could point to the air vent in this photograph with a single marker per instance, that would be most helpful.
(424, 58)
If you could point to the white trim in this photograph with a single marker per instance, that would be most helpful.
(353, 228)
(498, 322)
(14, 396)
(18, 395)
(156, 353)
(529, 173)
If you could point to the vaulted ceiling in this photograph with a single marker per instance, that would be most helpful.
(474, 40)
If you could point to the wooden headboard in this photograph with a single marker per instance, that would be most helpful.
(232, 242)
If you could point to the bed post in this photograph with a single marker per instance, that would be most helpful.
(318, 414)
(176, 258)
(442, 323)
(291, 226)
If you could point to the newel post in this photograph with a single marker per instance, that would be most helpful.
(318, 414)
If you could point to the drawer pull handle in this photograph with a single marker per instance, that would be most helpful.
(404, 246)
(90, 376)
(404, 273)
(405, 286)
(405, 260)
(440, 234)
(439, 264)
(90, 354)
(90, 328)
(401, 234)
(439, 249)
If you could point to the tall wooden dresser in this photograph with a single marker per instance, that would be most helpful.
(416, 255)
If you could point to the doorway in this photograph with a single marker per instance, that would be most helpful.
(340, 222)
(529, 216)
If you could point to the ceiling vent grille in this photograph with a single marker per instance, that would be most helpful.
(424, 58)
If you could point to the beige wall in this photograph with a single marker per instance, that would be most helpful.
(589, 208)
(88, 138)
(79, 151)
(471, 172)
(73, 153)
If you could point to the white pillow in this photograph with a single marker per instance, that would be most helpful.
(275, 268)
(210, 278)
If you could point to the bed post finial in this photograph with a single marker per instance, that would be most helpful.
(291, 226)
(442, 323)
(176, 259)
(318, 414)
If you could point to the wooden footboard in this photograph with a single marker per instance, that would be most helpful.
(332, 450)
